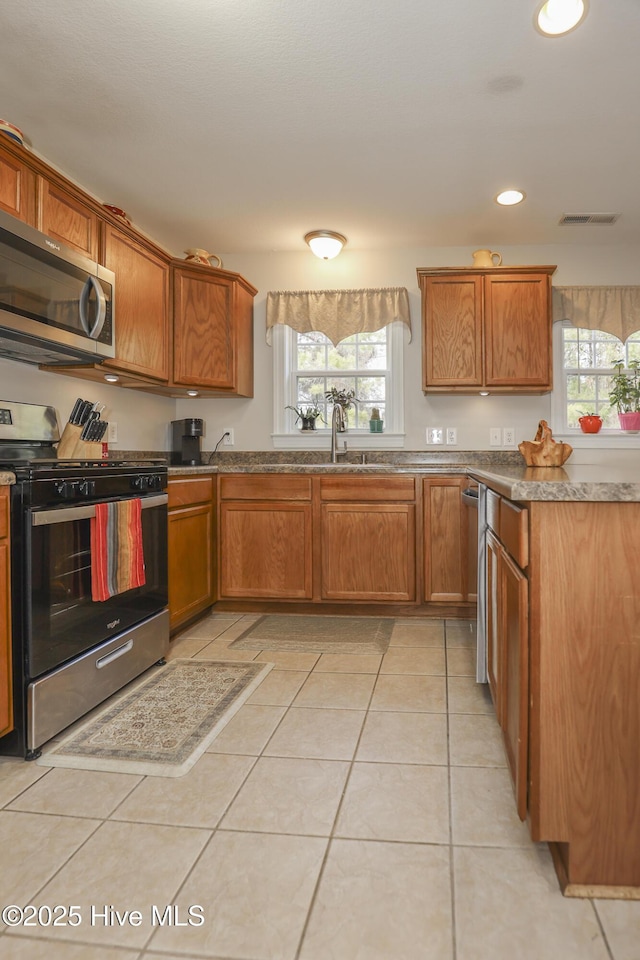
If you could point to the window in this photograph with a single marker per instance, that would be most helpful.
(585, 359)
(306, 365)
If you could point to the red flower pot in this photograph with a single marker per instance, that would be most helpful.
(590, 424)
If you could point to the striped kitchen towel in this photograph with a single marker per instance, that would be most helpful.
(117, 560)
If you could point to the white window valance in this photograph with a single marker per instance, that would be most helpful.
(337, 313)
(615, 310)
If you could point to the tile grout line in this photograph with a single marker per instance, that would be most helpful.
(451, 846)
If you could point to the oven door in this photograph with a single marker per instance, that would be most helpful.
(61, 620)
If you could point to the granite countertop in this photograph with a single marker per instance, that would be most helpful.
(589, 482)
(504, 472)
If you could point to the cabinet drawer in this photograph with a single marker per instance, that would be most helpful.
(262, 487)
(514, 531)
(189, 490)
(387, 488)
(4, 513)
(493, 511)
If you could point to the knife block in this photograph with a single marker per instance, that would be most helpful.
(71, 447)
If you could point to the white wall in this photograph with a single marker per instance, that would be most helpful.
(143, 420)
(252, 419)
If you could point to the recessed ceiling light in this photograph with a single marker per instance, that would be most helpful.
(555, 18)
(509, 197)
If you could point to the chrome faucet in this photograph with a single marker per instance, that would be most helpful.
(338, 425)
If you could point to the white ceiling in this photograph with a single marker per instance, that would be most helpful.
(239, 125)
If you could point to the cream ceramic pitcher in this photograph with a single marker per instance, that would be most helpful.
(485, 258)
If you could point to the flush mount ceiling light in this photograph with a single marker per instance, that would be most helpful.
(510, 197)
(554, 18)
(325, 243)
(111, 378)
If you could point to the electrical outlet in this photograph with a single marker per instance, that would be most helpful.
(228, 440)
(112, 432)
(509, 437)
(494, 436)
(452, 435)
(435, 435)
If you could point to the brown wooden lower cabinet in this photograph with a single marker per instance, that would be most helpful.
(368, 551)
(191, 547)
(6, 700)
(265, 537)
(450, 538)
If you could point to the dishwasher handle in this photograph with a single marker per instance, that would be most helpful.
(470, 497)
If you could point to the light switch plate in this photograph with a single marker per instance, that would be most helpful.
(494, 436)
(435, 435)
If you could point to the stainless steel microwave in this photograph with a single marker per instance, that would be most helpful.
(56, 306)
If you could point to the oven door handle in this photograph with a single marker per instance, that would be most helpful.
(41, 518)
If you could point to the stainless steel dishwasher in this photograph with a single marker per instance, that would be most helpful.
(475, 499)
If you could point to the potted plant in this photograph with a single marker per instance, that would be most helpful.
(307, 414)
(590, 423)
(375, 423)
(625, 394)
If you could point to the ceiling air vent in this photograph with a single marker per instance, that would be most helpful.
(567, 219)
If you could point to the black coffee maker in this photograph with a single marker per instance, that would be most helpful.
(185, 446)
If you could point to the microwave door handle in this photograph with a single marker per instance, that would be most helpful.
(94, 331)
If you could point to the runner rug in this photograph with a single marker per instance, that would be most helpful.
(317, 634)
(162, 726)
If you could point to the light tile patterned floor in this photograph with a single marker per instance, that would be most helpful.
(355, 808)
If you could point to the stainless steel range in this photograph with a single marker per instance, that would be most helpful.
(71, 652)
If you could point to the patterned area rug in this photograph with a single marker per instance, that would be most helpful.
(165, 724)
(299, 634)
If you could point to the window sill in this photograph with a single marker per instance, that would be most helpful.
(605, 440)
(321, 440)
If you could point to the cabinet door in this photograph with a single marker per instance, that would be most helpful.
(452, 337)
(17, 188)
(518, 331)
(64, 217)
(368, 551)
(265, 549)
(514, 624)
(141, 306)
(6, 677)
(190, 543)
(446, 541)
(203, 330)
(494, 635)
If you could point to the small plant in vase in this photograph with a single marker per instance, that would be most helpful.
(590, 423)
(375, 423)
(307, 415)
(625, 394)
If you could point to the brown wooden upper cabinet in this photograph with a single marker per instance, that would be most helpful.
(63, 215)
(213, 330)
(142, 305)
(17, 188)
(486, 329)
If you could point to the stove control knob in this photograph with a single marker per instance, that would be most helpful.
(139, 483)
(67, 489)
(87, 488)
(155, 482)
